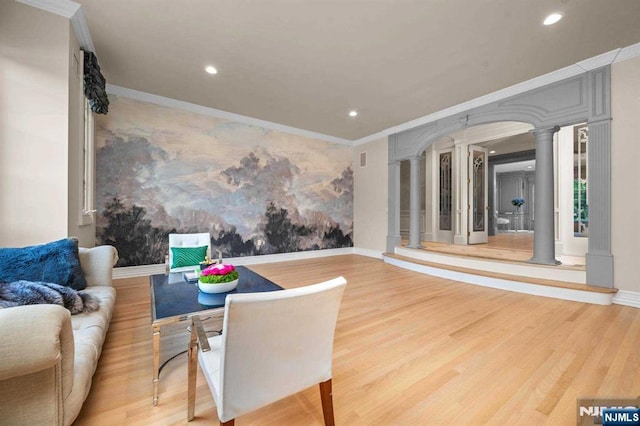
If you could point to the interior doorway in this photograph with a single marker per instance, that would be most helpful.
(461, 200)
(459, 207)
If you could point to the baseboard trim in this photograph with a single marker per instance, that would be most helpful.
(144, 270)
(627, 298)
(138, 271)
(367, 252)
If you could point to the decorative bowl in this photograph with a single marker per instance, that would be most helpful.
(217, 288)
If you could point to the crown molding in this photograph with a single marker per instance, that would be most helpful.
(599, 61)
(80, 27)
(212, 112)
(628, 52)
(64, 8)
(72, 11)
(608, 58)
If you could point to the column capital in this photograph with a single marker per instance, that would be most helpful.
(547, 130)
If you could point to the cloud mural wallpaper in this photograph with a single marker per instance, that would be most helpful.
(161, 170)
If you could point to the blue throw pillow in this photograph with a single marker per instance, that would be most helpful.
(55, 262)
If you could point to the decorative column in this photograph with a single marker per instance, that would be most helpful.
(414, 204)
(544, 250)
(599, 257)
(393, 208)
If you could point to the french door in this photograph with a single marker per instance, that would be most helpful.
(478, 195)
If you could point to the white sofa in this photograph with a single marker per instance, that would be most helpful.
(48, 357)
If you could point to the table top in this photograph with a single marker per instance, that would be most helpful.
(172, 296)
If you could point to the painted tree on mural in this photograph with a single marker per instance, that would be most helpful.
(131, 233)
(281, 235)
(231, 244)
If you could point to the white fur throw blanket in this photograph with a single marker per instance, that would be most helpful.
(22, 292)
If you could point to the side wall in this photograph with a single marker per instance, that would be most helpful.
(370, 196)
(625, 154)
(34, 75)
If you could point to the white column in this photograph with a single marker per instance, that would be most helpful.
(544, 251)
(414, 204)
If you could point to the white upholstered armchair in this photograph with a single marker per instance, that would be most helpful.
(273, 345)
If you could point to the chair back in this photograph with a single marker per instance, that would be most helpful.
(276, 344)
(188, 240)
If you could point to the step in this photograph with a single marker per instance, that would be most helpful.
(511, 282)
(566, 273)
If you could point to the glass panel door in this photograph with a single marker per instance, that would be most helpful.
(478, 195)
(445, 192)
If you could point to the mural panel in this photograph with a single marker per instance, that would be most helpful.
(161, 170)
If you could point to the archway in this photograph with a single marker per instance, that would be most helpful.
(583, 98)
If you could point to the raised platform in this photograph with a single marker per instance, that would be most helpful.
(562, 282)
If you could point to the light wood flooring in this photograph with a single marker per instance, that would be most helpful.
(410, 349)
(509, 246)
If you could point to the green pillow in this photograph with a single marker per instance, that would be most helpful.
(188, 256)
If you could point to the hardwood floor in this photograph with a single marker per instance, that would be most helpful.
(410, 349)
(509, 246)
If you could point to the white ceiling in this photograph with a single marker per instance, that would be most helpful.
(306, 63)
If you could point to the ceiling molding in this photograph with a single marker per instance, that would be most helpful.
(72, 11)
(64, 8)
(616, 55)
(212, 112)
(628, 53)
(80, 27)
(599, 61)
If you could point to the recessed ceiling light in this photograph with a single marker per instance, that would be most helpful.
(552, 19)
(492, 152)
(353, 113)
(529, 167)
(211, 70)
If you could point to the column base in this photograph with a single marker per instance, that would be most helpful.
(552, 262)
(600, 269)
(392, 242)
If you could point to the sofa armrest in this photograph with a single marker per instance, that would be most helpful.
(97, 264)
(36, 372)
(34, 338)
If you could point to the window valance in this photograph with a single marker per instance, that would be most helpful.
(94, 84)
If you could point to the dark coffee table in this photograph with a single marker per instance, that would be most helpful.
(173, 300)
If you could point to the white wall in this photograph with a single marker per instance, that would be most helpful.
(34, 125)
(370, 203)
(625, 155)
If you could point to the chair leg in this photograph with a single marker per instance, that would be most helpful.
(192, 374)
(326, 395)
(231, 422)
